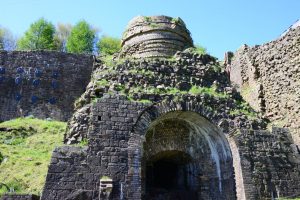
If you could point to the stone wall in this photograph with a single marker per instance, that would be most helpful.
(41, 83)
(268, 77)
(131, 109)
(74, 172)
(187, 77)
(116, 139)
(155, 36)
(270, 164)
(19, 197)
(198, 150)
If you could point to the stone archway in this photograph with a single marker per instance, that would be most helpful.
(180, 155)
(167, 174)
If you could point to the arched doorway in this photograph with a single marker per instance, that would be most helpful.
(182, 156)
(167, 175)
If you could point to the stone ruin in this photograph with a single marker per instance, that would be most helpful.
(44, 84)
(156, 36)
(163, 122)
(268, 77)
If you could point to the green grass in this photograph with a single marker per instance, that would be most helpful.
(244, 108)
(147, 19)
(26, 147)
(217, 68)
(142, 72)
(200, 50)
(175, 20)
(102, 82)
(207, 90)
(109, 60)
(197, 49)
(250, 115)
(175, 91)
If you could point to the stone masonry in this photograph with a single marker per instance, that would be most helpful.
(169, 125)
(20, 197)
(268, 77)
(269, 165)
(155, 36)
(163, 122)
(44, 84)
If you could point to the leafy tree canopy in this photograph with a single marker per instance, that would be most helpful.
(40, 35)
(7, 40)
(82, 38)
(109, 45)
(62, 33)
(1, 39)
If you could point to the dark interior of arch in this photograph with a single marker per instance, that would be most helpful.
(178, 162)
(167, 175)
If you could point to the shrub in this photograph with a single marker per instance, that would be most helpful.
(109, 45)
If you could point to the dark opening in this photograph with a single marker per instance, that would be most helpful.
(167, 176)
(163, 174)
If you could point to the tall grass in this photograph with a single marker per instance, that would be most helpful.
(26, 145)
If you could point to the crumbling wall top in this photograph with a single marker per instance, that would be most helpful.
(155, 36)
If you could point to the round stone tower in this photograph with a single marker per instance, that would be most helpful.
(155, 36)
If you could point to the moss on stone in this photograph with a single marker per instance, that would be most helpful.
(147, 19)
(176, 20)
(212, 91)
(197, 49)
(244, 108)
(102, 82)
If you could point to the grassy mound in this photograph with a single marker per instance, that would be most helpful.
(26, 145)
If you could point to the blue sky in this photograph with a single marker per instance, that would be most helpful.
(218, 25)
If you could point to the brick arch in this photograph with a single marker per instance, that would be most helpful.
(156, 110)
(138, 136)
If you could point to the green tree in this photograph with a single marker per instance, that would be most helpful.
(1, 39)
(40, 35)
(108, 45)
(82, 38)
(62, 33)
(7, 40)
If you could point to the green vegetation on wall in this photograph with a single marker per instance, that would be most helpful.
(207, 90)
(197, 49)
